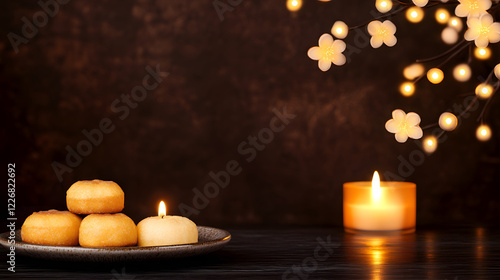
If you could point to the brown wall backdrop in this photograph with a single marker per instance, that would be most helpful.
(225, 79)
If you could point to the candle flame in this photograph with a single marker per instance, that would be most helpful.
(376, 191)
(162, 209)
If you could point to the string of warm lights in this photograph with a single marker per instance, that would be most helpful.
(481, 31)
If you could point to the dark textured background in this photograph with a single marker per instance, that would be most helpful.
(225, 79)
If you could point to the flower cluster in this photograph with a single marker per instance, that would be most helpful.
(472, 8)
(382, 33)
(404, 125)
(481, 30)
(330, 50)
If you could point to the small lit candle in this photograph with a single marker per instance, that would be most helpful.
(484, 90)
(414, 14)
(435, 75)
(164, 230)
(379, 206)
(448, 121)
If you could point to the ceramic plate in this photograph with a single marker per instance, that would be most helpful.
(209, 240)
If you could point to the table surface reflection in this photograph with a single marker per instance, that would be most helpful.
(307, 253)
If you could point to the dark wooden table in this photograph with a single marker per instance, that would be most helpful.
(306, 253)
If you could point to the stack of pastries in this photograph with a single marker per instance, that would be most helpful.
(103, 226)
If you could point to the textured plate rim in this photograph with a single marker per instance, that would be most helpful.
(106, 254)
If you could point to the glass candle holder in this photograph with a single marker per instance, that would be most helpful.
(391, 209)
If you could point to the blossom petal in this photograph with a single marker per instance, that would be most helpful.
(473, 22)
(476, 13)
(484, 4)
(486, 19)
(339, 45)
(481, 41)
(324, 64)
(392, 126)
(401, 136)
(390, 26)
(399, 115)
(471, 34)
(412, 119)
(373, 27)
(494, 37)
(376, 41)
(495, 27)
(326, 40)
(461, 10)
(414, 132)
(314, 53)
(390, 40)
(339, 59)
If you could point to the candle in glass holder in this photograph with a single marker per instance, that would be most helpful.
(164, 230)
(379, 206)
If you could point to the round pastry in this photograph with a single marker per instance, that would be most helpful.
(107, 230)
(51, 227)
(166, 230)
(95, 197)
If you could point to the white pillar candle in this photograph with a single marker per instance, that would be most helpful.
(165, 230)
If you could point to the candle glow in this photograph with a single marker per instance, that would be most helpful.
(379, 206)
(162, 209)
(163, 230)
